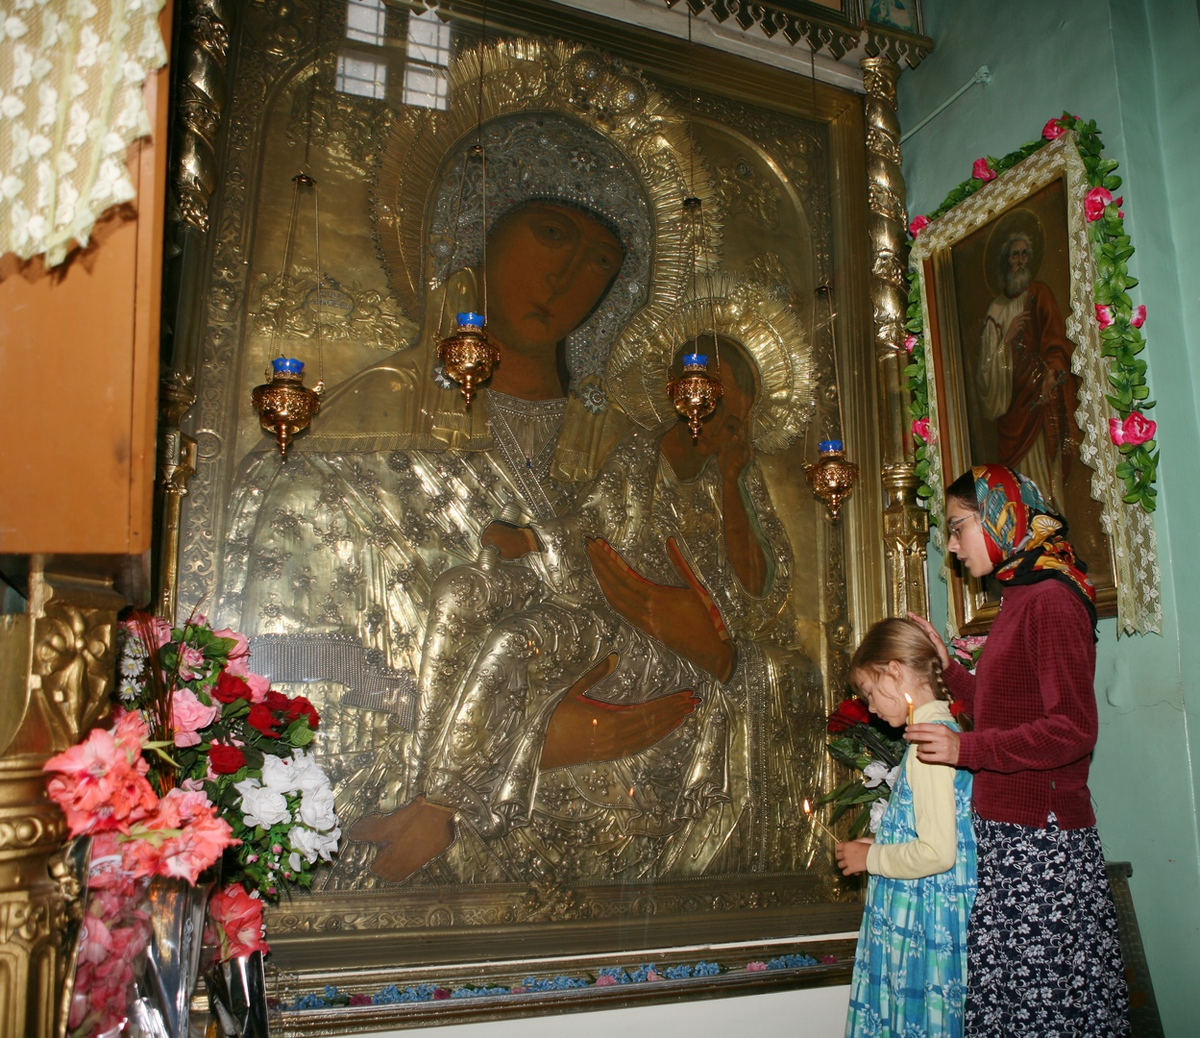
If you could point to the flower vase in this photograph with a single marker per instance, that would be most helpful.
(176, 911)
(237, 996)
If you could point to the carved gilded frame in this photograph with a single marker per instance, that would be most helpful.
(369, 935)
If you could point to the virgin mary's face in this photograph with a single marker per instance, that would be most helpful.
(548, 266)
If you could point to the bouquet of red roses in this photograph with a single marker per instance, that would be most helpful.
(865, 745)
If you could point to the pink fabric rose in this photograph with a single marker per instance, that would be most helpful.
(920, 427)
(918, 224)
(191, 662)
(1139, 316)
(1104, 316)
(1053, 129)
(1095, 202)
(605, 980)
(910, 342)
(189, 716)
(259, 687)
(755, 967)
(982, 171)
(239, 655)
(1135, 429)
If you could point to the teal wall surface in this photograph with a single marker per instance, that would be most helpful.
(1132, 66)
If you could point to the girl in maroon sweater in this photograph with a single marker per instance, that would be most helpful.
(1043, 954)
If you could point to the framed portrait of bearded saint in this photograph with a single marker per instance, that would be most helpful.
(1017, 372)
(573, 662)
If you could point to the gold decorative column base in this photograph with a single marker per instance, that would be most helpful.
(56, 672)
(905, 535)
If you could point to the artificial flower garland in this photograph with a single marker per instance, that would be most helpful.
(1119, 320)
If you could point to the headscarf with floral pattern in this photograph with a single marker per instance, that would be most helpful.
(1024, 536)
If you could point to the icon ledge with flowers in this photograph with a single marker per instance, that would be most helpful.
(1120, 322)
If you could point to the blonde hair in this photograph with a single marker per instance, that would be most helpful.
(901, 640)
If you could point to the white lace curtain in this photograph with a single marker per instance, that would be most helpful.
(71, 75)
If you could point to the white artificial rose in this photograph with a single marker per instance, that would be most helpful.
(316, 809)
(891, 776)
(874, 773)
(305, 840)
(261, 806)
(877, 809)
(278, 774)
(295, 861)
(310, 777)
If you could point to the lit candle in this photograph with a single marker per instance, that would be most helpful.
(809, 811)
(908, 700)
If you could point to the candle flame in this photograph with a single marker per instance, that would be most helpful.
(807, 808)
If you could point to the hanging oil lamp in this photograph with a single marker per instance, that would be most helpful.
(285, 405)
(468, 355)
(695, 393)
(832, 477)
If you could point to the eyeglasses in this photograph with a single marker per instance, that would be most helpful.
(954, 527)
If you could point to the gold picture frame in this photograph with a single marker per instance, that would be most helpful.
(984, 406)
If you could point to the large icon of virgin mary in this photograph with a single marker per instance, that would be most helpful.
(510, 713)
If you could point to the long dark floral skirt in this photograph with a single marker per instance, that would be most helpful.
(1043, 951)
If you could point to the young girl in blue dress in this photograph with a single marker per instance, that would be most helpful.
(910, 969)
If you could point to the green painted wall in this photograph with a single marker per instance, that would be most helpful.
(1130, 65)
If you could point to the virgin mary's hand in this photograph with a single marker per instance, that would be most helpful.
(685, 619)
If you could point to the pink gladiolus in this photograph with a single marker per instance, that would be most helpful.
(189, 716)
(1095, 202)
(982, 171)
(910, 342)
(99, 788)
(1052, 130)
(1103, 316)
(1139, 316)
(918, 224)
(1135, 429)
(920, 427)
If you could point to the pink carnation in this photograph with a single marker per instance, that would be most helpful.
(981, 170)
(1134, 429)
(917, 225)
(1053, 129)
(189, 716)
(1103, 316)
(1139, 316)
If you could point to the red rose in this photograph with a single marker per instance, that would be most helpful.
(228, 688)
(440, 994)
(276, 701)
(849, 713)
(262, 719)
(957, 708)
(1095, 202)
(225, 760)
(301, 707)
(917, 225)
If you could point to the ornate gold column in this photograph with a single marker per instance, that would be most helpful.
(56, 669)
(905, 523)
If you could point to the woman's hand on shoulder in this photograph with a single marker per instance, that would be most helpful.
(933, 636)
(852, 856)
(936, 743)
